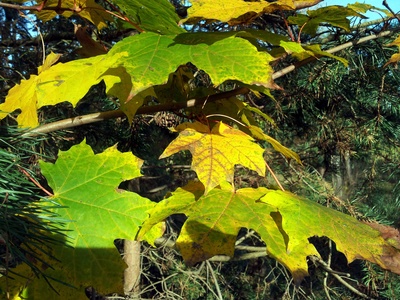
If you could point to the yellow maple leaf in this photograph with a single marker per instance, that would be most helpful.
(23, 96)
(58, 83)
(234, 11)
(216, 152)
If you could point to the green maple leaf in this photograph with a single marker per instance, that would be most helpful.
(152, 58)
(95, 213)
(134, 66)
(152, 15)
(284, 221)
(216, 152)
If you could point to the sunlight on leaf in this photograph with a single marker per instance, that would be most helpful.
(284, 221)
(233, 11)
(216, 152)
(85, 186)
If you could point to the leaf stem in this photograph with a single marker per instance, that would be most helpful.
(274, 176)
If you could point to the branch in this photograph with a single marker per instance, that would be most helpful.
(299, 64)
(97, 117)
(336, 274)
(384, 3)
(101, 116)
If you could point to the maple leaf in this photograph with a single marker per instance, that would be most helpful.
(302, 52)
(259, 134)
(216, 152)
(87, 9)
(395, 58)
(95, 213)
(233, 11)
(335, 15)
(58, 83)
(284, 222)
(23, 96)
(152, 15)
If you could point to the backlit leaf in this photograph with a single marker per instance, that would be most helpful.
(152, 58)
(85, 186)
(58, 83)
(233, 11)
(152, 15)
(335, 15)
(23, 96)
(302, 219)
(284, 221)
(87, 9)
(259, 134)
(216, 152)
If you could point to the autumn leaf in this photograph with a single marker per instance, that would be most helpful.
(95, 214)
(302, 52)
(284, 221)
(395, 58)
(57, 84)
(216, 152)
(259, 134)
(335, 15)
(152, 57)
(302, 219)
(23, 96)
(233, 11)
(87, 9)
(148, 60)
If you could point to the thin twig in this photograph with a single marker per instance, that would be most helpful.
(336, 274)
(35, 182)
(39, 34)
(299, 64)
(274, 176)
(384, 3)
(326, 275)
(215, 280)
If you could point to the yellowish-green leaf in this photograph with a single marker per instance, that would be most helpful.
(87, 9)
(302, 219)
(335, 15)
(302, 52)
(23, 96)
(214, 221)
(58, 83)
(284, 221)
(259, 134)
(216, 152)
(364, 7)
(396, 43)
(394, 59)
(316, 51)
(233, 11)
